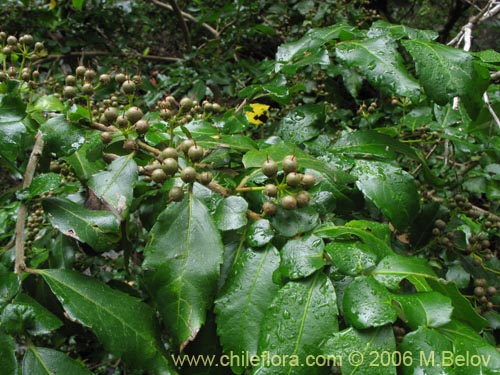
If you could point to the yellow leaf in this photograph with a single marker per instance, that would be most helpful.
(53, 4)
(259, 113)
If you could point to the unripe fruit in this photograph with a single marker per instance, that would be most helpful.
(11, 40)
(27, 39)
(158, 176)
(303, 198)
(87, 89)
(141, 126)
(205, 178)
(104, 79)
(441, 224)
(269, 208)
(270, 168)
(188, 174)
(120, 78)
(70, 80)
(110, 114)
(169, 152)
(271, 190)
(106, 137)
(288, 202)
(69, 92)
(195, 153)
(80, 71)
(176, 194)
(186, 145)
(128, 87)
(89, 75)
(129, 145)
(165, 114)
(7, 50)
(186, 103)
(170, 166)
(121, 121)
(134, 114)
(491, 290)
(216, 107)
(290, 164)
(479, 291)
(293, 179)
(137, 79)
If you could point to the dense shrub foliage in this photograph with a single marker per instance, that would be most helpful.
(323, 202)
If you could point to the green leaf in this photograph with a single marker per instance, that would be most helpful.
(381, 64)
(301, 258)
(301, 123)
(185, 252)
(45, 361)
(351, 257)
(123, 324)
(427, 309)
(369, 142)
(41, 184)
(241, 305)
(344, 346)
(99, 229)
(8, 361)
(394, 268)
(12, 129)
(77, 4)
(48, 103)
(235, 142)
(87, 160)
(294, 52)
(472, 354)
(62, 137)
(367, 303)
(391, 189)
(446, 72)
(43, 322)
(462, 308)
(231, 213)
(289, 223)
(376, 243)
(382, 28)
(302, 315)
(259, 233)
(9, 286)
(428, 350)
(115, 186)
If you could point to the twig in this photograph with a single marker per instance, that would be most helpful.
(106, 53)
(20, 265)
(426, 157)
(149, 148)
(486, 100)
(189, 17)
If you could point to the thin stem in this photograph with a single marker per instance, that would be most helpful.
(20, 264)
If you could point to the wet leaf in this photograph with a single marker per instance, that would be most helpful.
(62, 137)
(8, 360)
(115, 186)
(9, 286)
(301, 258)
(241, 305)
(123, 324)
(44, 361)
(302, 123)
(259, 233)
(41, 184)
(371, 344)
(230, 213)
(289, 223)
(185, 253)
(99, 229)
(367, 303)
(427, 309)
(381, 64)
(394, 268)
(303, 314)
(48, 103)
(391, 189)
(12, 129)
(351, 257)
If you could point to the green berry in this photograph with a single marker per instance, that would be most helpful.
(129, 145)
(290, 164)
(169, 152)
(205, 178)
(106, 137)
(188, 174)
(69, 92)
(303, 198)
(269, 208)
(142, 126)
(270, 168)
(158, 176)
(308, 180)
(271, 190)
(186, 145)
(288, 202)
(80, 71)
(293, 179)
(128, 87)
(120, 78)
(176, 194)
(134, 114)
(170, 166)
(111, 114)
(195, 153)
(186, 103)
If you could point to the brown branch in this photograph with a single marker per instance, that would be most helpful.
(106, 53)
(20, 265)
(189, 17)
(148, 148)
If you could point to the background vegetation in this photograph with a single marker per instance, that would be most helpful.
(208, 177)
